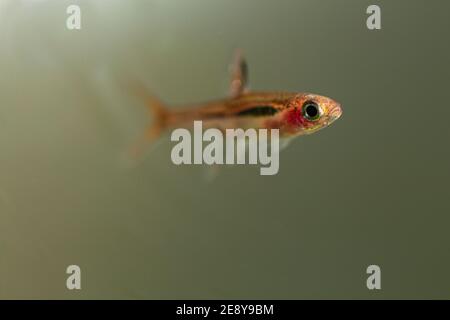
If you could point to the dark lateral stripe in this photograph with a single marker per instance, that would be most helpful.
(258, 111)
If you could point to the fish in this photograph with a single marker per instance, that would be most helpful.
(292, 113)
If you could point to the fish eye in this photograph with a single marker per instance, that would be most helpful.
(311, 110)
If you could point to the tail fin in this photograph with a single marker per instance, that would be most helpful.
(160, 115)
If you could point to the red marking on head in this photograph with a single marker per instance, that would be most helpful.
(295, 118)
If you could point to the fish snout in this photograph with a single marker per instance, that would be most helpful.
(335, 113)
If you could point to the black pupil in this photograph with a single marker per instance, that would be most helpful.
(311, 110)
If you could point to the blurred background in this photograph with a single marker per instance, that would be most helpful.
(371, 189)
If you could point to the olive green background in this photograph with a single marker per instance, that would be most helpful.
(373, 188)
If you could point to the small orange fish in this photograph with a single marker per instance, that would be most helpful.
(294, 114)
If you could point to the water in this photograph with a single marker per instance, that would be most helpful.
(370, 189)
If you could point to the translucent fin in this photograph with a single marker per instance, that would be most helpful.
(211, 172)
(284, 142)
(239, 74)
(160, 115)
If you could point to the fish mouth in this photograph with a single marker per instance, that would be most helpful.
(334, 114)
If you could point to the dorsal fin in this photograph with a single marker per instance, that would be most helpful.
(239, 74)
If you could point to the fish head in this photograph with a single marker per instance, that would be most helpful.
(307, 113)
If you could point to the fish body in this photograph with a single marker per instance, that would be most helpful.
(260, 110)
(293, 114)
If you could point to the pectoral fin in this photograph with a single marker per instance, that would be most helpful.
(284, 142)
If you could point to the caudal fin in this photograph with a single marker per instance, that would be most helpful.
(159, 117)
(159, 114)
